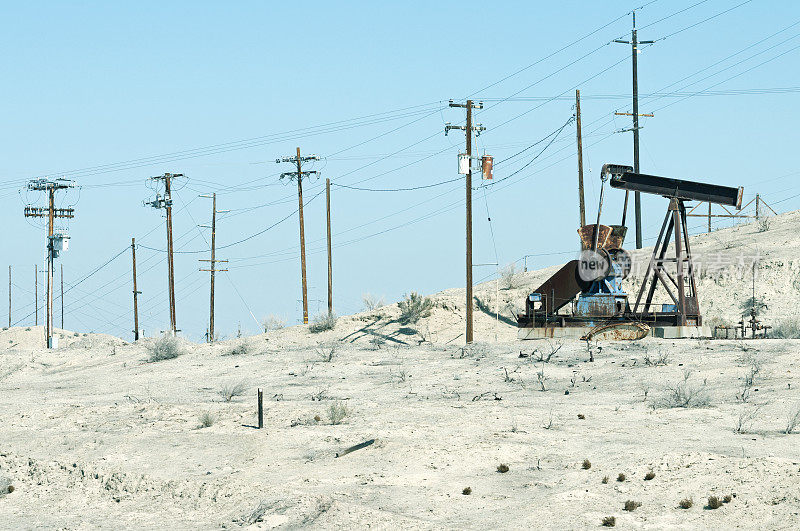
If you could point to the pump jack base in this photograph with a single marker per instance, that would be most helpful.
(619, 332)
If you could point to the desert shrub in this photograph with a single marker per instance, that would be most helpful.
(240, 349)
(10, 489)
(685, 394)
(581, 416)
(228, 392)
(167, 347)
(659, 361)
(763, 225)
(28, 329)
(786, 329)
(621, 477)
(727, 498)
(207, 420)
(605, 480)
(586, 465)
(650, 475)
(414, 307)
(608, 521)
(686, 503)
(502, 468)
(337, 412)
(323, 322)
(714, 502)
(326, 352)
(272, 323)
(631, 505)
(467, 491)
(371, 302)
(510, 277)
(756, 304)
(793, 419)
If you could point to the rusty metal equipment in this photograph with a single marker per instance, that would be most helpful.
(591, 286)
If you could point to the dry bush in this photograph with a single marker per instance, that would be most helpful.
(228, 392)
(467, 491)
(337, 412)
(586, 465)
(727, 498)
(763, 225)
(510, 277)
(326, 353)
(371, 302)
(686, 503)
(544, 357)
(608, 521)
(631, 505)
(542, 379)
(167, 347)
(713, 503)
(746, 418)
(605, 480)
(685, 394)
(621, 477)
(650, 475)
(322, 322)
(659, 361)
(414, 307)
(207, 420)
(793, 419)
(786, 329)
(272, 322)
(502, 468)
(240, 349)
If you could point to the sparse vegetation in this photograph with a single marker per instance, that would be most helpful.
(631, 505)
(511, 277)
(659, 361)
(605, 480)
(502, 468)
(544, 357)
(746, 418)
(167, 347)
(326, 352)
(272, 322)
(727, 498)
(586, 465)
(685, 394)
(10, 489)
(414, 307)
(581, 416)
(240, 349)
(467, 491)
(751, 304)
(793, 419)
(786, 329)
(650, 475)
(337, 412)
(608, 521)
(713, 503)
(621, 477)
(322, 322)
(228, 392)
(686, 503)
(371, 302)
(763, 225)
(207, 420)
(542, 379)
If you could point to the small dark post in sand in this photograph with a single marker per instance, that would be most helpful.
(260, 409)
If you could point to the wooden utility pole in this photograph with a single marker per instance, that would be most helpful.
(634, 42)
(135, 293)
(36, 294)
(468, 129)
(9, 296)
(213, 267)
(330, 256)
(709, 217)
(166, 203)
(580, 158)
(62, 296)
(758, 201)
(55, 243)
(298, 175)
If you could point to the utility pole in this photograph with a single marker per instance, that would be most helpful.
(36, 294)
(135, 294)
(758, 200)
(330, 256)
(55, 242)
(580, 158)
(468, 129)
(213, 267)
(62, 296)
(298, 175)
(9, 296)
(166, 203)
(634, 42)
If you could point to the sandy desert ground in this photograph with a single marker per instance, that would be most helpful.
(95, 436)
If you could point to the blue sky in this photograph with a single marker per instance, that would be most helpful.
(101, 91)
